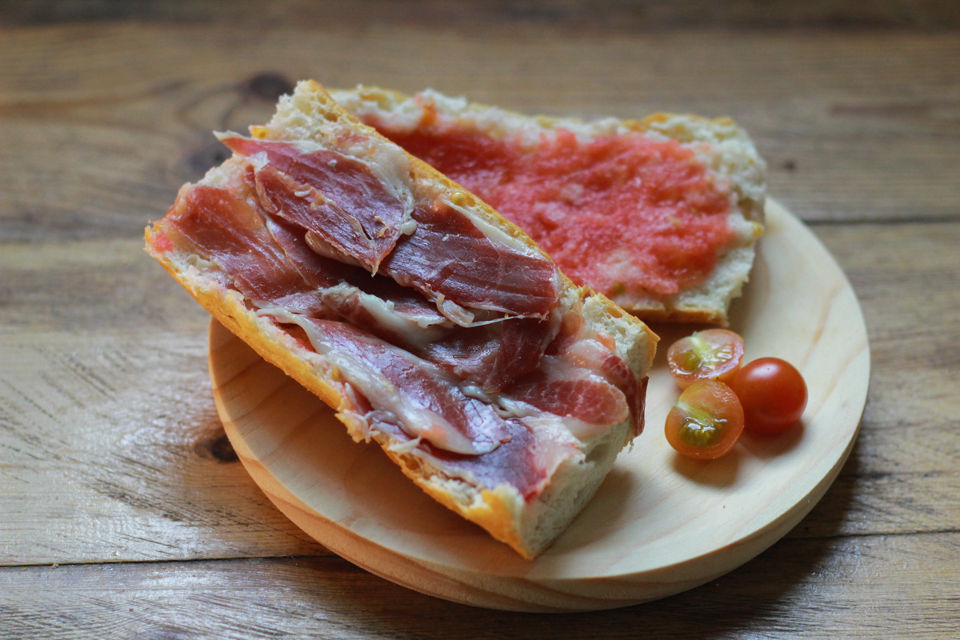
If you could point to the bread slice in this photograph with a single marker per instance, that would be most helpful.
(526, 482)
(731, 174)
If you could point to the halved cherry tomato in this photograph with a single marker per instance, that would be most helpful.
(712, 354)
(773, 395)
(706, 421)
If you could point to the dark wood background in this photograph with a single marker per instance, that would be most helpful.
(123, 511)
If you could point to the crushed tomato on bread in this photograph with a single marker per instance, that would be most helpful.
(661, 215)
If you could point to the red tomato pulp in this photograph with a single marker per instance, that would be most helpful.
(625, 214)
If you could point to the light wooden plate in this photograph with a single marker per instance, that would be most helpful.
(659, 524)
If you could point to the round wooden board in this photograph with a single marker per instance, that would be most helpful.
(659, 524)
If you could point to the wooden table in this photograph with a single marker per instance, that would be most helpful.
(123, 511)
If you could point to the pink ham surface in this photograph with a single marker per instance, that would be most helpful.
(559, 388)
(328, 193)
(408, 383)
(447, 257)
(581, 376)
(227, 230)
(492, 355)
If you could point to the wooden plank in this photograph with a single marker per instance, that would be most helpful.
(855, 126)
(634, 16)
(840, 587)
(110, 449)
(906, 279)
(92, 286)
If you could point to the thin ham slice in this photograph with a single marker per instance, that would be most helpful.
(446, 256)
(426, 409)
(495, 355)
(226, 229)
(564, 389)
(581, 375)
(417, 395)
(269, 261)
(328, 193)
(449, 257)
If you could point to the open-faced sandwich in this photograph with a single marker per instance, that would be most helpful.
(661, 214)
(429, 323)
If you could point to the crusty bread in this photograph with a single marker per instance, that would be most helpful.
(528, 525)
(718, 144)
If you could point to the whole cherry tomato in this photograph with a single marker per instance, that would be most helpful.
(712, 354)
(706, 421)
(773, 395)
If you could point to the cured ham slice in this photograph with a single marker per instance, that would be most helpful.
(251, 246)
(405, 390)
(446, 255)
(449, 258)
(564, 390)
(430, 324)
(494, 355)
(227, 230)
(328, 193)
(592, 351)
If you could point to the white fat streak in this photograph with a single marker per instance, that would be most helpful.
(582, 431)
(404, 448)
(541, 422)
(392, 166)
(323, 248)
(417, 421)
(414, 330)
(453, 311)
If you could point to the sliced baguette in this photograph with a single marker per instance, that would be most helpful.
(529, 524)
(723, 148)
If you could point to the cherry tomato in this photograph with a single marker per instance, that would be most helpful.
(706, 421)
(773, 395)
(712, 354)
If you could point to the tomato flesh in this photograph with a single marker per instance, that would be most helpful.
(706, 421)
(712, 354)
(773, 394)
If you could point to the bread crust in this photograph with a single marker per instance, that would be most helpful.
(528, 526)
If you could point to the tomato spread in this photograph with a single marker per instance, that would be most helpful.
(622, 213)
